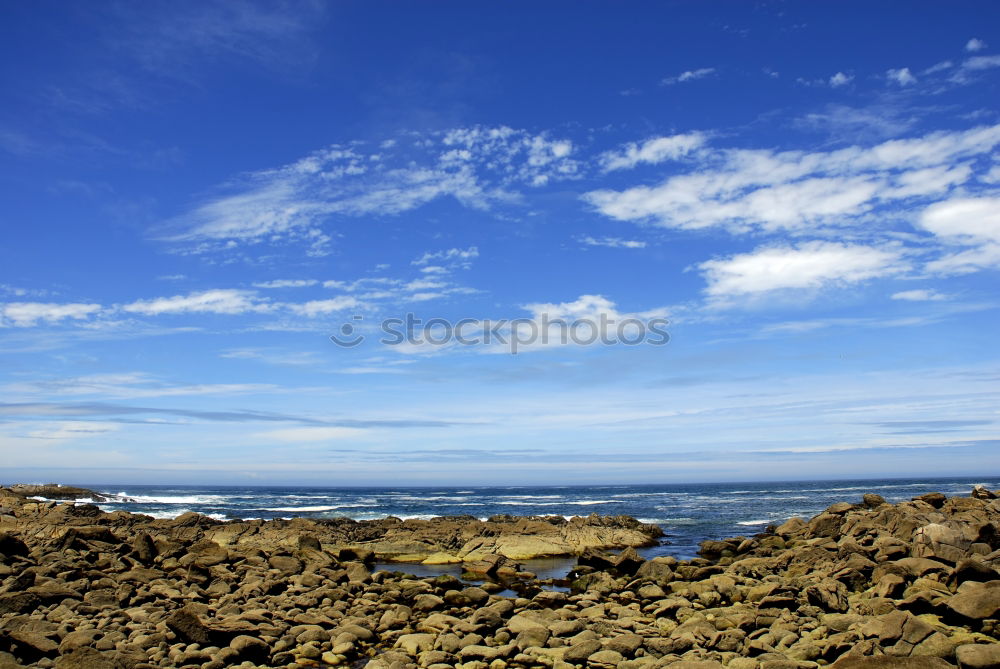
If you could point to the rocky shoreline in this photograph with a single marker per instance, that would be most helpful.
(915, 584)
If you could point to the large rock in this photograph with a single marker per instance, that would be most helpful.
(978, 656)
(60, 492)
(977, 601)
(189, 626)
(940, 543)
(890, 662)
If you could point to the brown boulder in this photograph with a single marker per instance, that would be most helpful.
(977, 601)
(890, 662)
(940, 542)
(935, 499)
(978, 656)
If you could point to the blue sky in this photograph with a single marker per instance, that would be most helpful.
(196, 195)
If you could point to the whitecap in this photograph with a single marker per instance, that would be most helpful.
(302, 509)
(172, 499)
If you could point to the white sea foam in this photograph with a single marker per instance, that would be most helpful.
(174, 513)
(580, 503)
(304, 509)
(172, 499)
(753, 522)
(82, 500)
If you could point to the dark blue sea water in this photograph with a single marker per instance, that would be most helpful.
(687, 513)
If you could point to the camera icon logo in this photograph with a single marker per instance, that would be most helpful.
(347, 337)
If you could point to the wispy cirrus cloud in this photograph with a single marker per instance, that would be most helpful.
(113, 412)
(286, 283)
(131, 385)
(459, 257)
(919, 295)
(612, 242)
(171, 39)
(28, 314)
(688, 75)
(651, 151)
(219, 301)
(476, 166)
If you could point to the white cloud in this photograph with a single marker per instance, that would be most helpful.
(321, 307)
(612, 242)
(981, 63)
(581, 322)
(964, 220)
(966, 72)
(902, 76)
(969, 222)
(966, 262)
(18, 291)
(688, 75)
(939, 67)
(27, 314)
(476, 166)
(218, 301)
(126, 385)
(460, 257)
(72, 429)
(809, 266)
(652, 151)
(841, 79)
(799, 192)
(286, 283)
(975, 44)
(919, 295)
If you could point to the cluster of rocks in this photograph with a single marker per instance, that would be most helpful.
(62, 492)
(914, 584)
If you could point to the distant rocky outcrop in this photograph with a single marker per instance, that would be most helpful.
(55, 491)
(450, 539)
(865, 585)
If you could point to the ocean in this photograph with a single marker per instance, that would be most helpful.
(688, 513)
